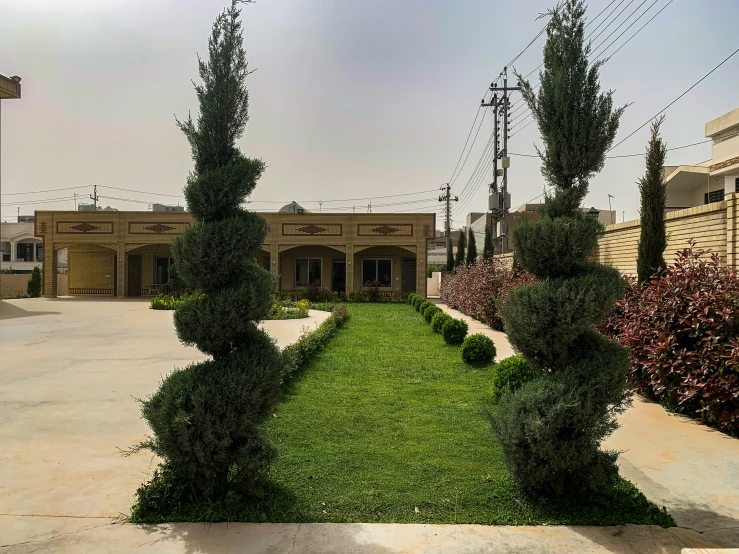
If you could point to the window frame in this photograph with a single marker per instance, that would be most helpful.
(377, 272)
(295, 272)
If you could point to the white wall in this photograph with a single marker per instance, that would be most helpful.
(433, 284)
(725, 150)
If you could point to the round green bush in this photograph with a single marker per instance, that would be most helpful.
(430, 312)
(424, 306)
(454, 331)
(478, 349)
(438, 320)
(411, 297)
(417, 301)
(511, 373)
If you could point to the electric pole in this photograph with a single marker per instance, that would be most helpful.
(94, 197)
(448, 198)
(500, 200)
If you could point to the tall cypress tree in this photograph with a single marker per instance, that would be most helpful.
(487, 248)
(460, 260)
(653, 189)
(551, 428)
(471, 247)
(449, 256)
(207, 418)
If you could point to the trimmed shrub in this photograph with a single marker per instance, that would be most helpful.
(476, 289)
(33, 289)
(417, 302)
(423, 306)
(438, 320)
(207, 419)
(478, 349)
(430, 312)
(511, 373)
(341, 314)
(298, 354)
(683, 332)
(373, 290)
(454, 331)
(171, 301)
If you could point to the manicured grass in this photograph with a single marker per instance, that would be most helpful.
(387, 425)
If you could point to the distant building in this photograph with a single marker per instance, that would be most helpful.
(20, 251)
(709, 181)
(293, 208)
(166, 208)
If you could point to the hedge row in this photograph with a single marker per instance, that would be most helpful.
(474, 289)
(683, 332)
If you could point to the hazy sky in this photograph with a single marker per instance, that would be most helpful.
(350, 100)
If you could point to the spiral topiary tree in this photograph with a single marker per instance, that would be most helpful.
(551, 427)
(206, 419)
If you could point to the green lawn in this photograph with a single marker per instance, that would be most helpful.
(387, 420)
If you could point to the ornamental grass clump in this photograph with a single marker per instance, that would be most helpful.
(551, 428)
(207, 419)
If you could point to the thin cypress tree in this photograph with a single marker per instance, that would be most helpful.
(206, 419)
(471, 247)
(449, 257)
(487, 248)
(551, 428)
(460, 259)
(653, 189)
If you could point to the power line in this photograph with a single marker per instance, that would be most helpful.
(676, 99)
(42, 191)
(471, 146)
(47, 201)
(465, 143)
(639, 30)
(626, 155)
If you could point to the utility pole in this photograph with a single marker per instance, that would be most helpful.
(502, 107)
(94, 197)
(448, 198)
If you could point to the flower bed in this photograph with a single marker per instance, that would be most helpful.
(473, 289)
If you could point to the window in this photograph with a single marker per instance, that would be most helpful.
(377, 270)
(736, 184)
(39, 251)
(24, 252)
(307, 270)
(713, 196)
(265, 265)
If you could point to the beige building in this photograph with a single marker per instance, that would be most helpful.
(128, 253)
(709, 181)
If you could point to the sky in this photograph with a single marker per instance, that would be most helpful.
(349, 100)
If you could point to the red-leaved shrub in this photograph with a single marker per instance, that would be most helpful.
(473, 289)
(683, 332)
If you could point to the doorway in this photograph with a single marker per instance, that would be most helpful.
(134, 276)
(338, 275)
(408, 283)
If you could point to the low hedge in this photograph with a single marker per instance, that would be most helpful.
(510, 374)
(298, 354)
(171, 301)
(478, 349)
(454, 331)
(438, 320)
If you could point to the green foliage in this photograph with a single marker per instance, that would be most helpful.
(454, 331)
(423, 306)
(438, 320)
(567, 241)
(33, 290)
(417, 301)
(171, 301)
(206, 419)
(460, 259)
(430, 312)
(653, 190)
(298, 354)
(386, 404)
(511, 373)
(577, 122)
(478, 349)
(487, 249)
(471, 247)
(431, 269)
(287, 309)
(551, 427)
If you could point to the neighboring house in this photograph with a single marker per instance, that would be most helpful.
(21, 251)
(129, 253)
(710, 181)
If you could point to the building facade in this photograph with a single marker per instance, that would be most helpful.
(20, 251)
(129, 253)
(712, 180)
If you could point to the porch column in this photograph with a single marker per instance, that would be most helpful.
(49, 278)
(349, 268)
(12, 251)
(421, 281)
(274, 263)
(732, 221)
(121, 270)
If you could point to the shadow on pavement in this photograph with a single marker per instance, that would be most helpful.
(12, 311)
